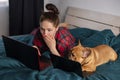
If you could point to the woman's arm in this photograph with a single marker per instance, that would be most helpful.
(55, 52)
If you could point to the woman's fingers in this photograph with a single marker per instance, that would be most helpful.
(37, 50)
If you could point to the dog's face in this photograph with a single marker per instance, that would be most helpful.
(78, 53)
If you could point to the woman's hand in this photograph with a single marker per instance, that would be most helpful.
(37, 50)
(51, 43)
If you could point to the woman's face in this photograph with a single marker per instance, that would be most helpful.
(47, 28)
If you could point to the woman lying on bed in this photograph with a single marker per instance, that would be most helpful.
(51, 37)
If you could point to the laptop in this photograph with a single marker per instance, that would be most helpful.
(66, 65)
(29, 56)
(22, 52)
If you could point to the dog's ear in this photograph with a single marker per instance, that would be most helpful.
(86, 53)
(79, 43)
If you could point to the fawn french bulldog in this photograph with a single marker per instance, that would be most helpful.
(90, 58)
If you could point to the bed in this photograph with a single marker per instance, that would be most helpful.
(92, 28)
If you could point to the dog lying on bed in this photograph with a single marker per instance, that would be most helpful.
(90, 58)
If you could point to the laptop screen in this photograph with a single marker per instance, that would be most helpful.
(21, 52)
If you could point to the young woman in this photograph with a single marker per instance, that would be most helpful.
(50, 36)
